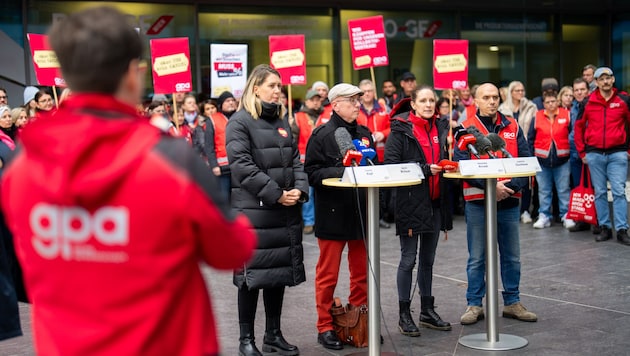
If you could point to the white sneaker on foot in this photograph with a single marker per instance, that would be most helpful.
(568, 223)
(526, 218)
(542, 222)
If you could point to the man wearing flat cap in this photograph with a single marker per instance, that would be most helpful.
(337, 210)
(601, 140)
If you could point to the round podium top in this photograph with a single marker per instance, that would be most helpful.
(492, 175)
(336, 182)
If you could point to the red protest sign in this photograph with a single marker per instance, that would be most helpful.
(287, 55)
(367, 42)
(450, 64)
(170, 61)
(45, 61)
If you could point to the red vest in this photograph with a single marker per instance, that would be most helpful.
(220, 122)
(305, 125)
(552, 132)
(324, 117)
(509, 134)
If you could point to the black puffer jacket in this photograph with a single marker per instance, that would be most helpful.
(264, 161)
(336, 209)
(414, 207)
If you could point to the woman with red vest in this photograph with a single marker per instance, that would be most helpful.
(421, 210)
(548, 139)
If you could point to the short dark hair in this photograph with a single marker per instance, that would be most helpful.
(580, 80)
(94, 48)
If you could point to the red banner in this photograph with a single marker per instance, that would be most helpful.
(367, 42)
(170, 62)
(450, 64)
(287, 55)
(45, 61)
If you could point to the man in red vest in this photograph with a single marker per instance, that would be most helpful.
(488, 119)
(548, 138)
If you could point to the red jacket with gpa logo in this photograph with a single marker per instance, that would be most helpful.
(601, 125)
(111, 219)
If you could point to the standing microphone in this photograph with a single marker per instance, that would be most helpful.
(351, 157)
(483, 145)
(498, 144)
(466, 141)
(367, 152)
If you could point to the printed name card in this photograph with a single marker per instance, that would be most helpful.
(481, 166)
(521, 165)
(386, 174)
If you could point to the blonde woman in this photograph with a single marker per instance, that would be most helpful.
(565, 97)
(523, 111)
(268, 186)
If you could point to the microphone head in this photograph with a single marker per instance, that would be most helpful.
(459, 132)
(367, 152)
(496, 141)
(344, 140)
(483, 144)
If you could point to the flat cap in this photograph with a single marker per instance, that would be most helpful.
(343, 90)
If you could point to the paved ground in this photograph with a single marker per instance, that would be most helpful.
(580, 290)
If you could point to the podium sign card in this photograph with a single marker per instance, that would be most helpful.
(481, 166)
(388, 173)
(521, 165)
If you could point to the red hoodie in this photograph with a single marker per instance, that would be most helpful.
(111, 220)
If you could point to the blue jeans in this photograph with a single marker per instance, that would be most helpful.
(509, 253)
(613, 168)
(576, 169)
(225, 185)
(546, 179)
(308, 209)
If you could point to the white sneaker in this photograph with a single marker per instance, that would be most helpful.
(542, 222)
(568, 223)
(526, 218)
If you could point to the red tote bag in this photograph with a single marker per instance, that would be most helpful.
(582, 201)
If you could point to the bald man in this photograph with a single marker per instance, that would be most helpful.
(508, 193)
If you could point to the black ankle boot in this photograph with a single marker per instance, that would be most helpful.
(405, 322)
(247, 347)
(275, 342)
(429, 318)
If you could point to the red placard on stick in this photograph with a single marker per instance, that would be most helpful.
(367, 42)
(170, 62)
(45, 61)
(287, 55)
(450, 64)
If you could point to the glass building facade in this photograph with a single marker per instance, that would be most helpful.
(504, 45)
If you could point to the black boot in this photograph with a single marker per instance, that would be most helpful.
(274, 341)
(247, 347)
(405, 322)
(429, 318)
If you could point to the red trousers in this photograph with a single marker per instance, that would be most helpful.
(327, 274)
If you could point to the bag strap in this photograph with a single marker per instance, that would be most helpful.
(585, 180)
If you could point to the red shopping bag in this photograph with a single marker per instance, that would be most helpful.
(582, 201)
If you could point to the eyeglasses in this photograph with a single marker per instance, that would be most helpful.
(353, 101)
(45, 101)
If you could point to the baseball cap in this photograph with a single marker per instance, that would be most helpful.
(602, 70)
(311, 93)
(29, 94)
(343, 90)
(408, 76)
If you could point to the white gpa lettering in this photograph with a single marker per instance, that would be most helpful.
(58, 230)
